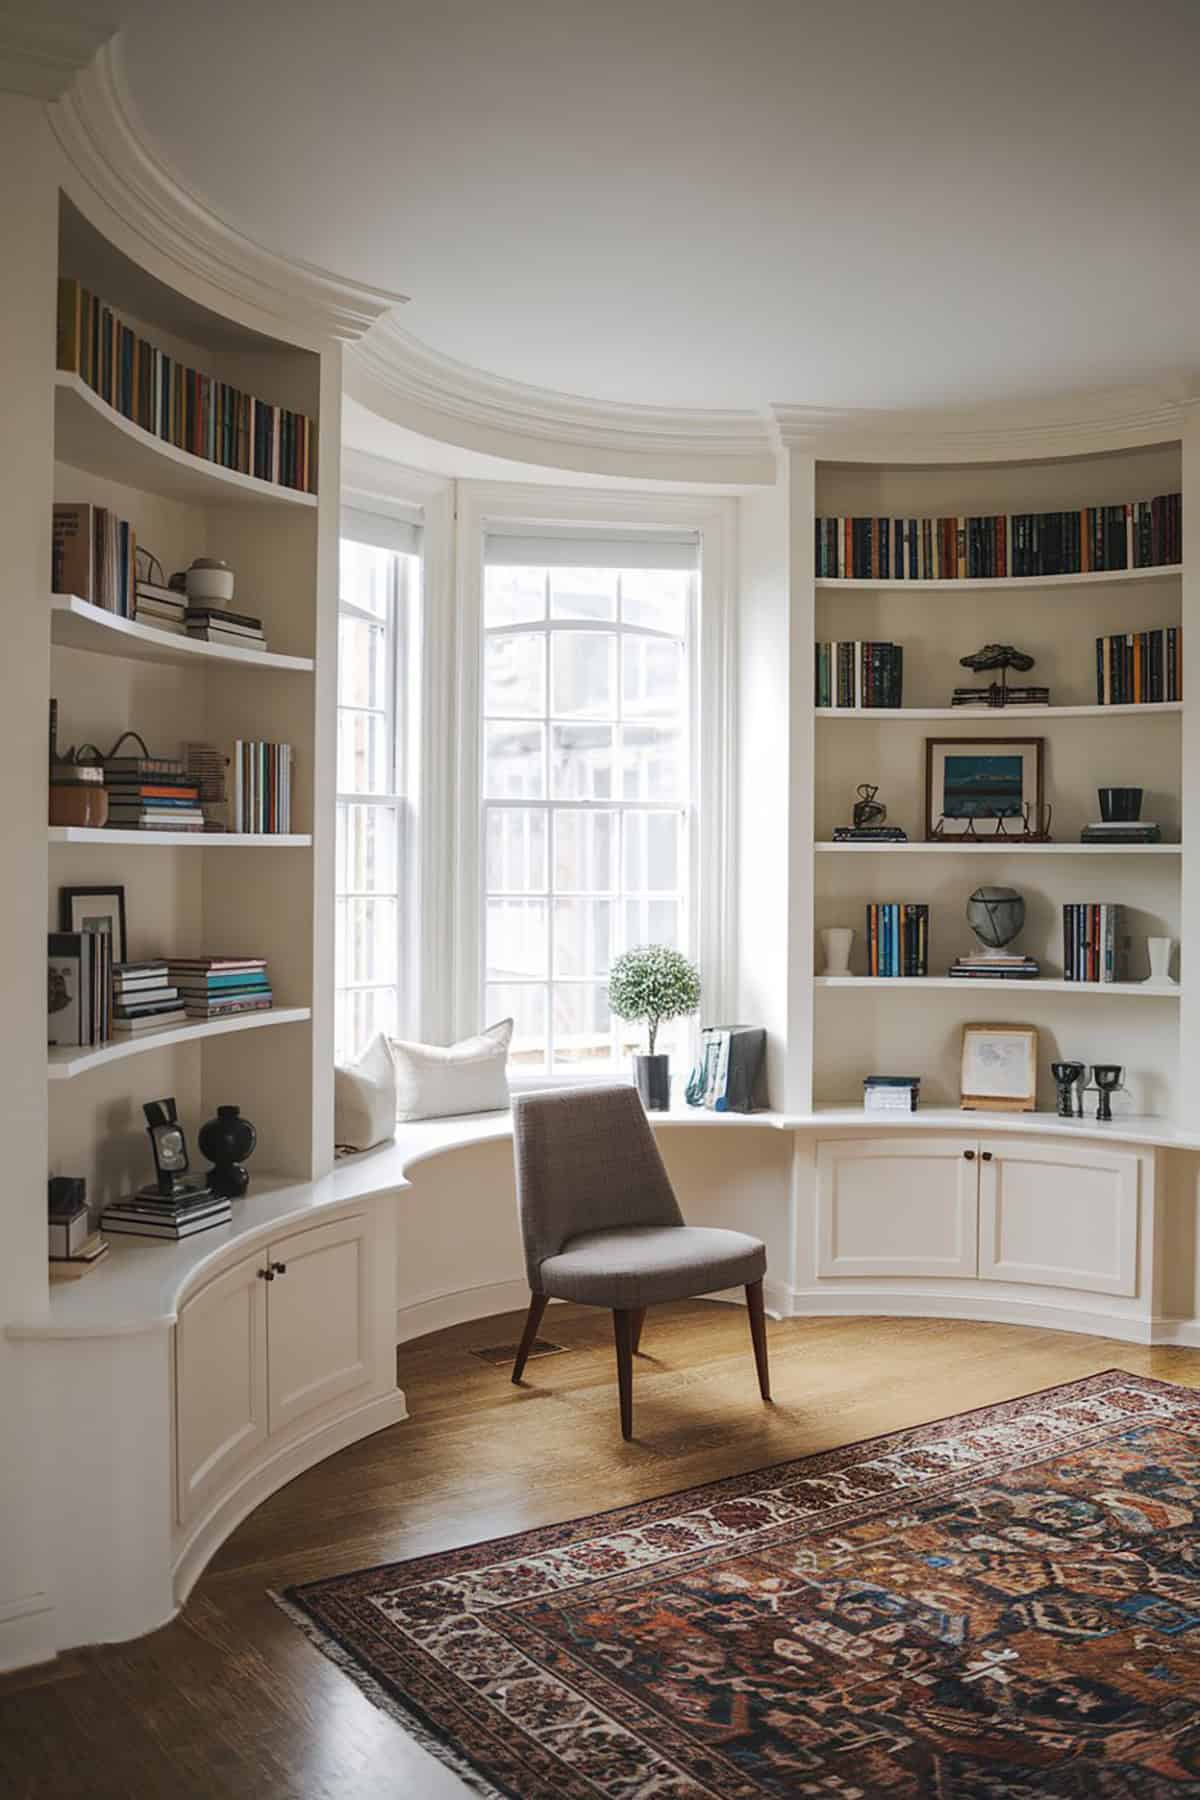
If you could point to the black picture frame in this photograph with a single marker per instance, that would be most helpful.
(73, 916)
(1029, 751)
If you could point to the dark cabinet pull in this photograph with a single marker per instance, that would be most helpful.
(279, 1268)
(987, 1156)
(969, 1155)
(266, 1274)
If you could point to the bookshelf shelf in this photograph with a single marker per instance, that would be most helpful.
(178, 840)
(897, 715)
(89, 434)
(1005, 584)
(66, 1061)
(76, 624)
(1010, 849)
(1126, 990)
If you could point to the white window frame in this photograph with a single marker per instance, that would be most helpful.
(710, 849)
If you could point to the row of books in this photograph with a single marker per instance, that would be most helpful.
(1094, 942)
(728, 1074)
(897, 938)
(92, 556)
(1139, 534)
(262, 786)
(859, 674)
(79, 988)
(1136, 668)
(182, 406)
(151, 793)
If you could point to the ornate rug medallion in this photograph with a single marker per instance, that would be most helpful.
(999, 1605)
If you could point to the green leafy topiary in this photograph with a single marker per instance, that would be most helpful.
(653, 983)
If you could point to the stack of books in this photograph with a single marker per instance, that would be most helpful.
(93, 557)
(858, 674)
(206, 767)
(143, 998)
(160, 607)
(75, 1249)
(219, 987)
(1136, 668)
(89, 1254)
(891, 1093)
(897, 938)
(1094, 942)
(995, 965)
(1121, 831)
(151, 793)
(869, 834)
(727, 1076)
(996, 695)
(214, 625)
(152, 1215)
(262, 786)
(79, 988)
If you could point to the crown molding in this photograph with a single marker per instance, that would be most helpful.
(97, 128)
(395, 375)
(1070, 424)
(39, 56)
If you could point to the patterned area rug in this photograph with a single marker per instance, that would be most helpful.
(1000, 1605)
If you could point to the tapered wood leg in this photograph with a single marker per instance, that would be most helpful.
(537, 1306)
(638, 1319)
(623, 1333)
(758, 1335)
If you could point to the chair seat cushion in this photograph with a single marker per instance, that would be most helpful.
(643, 1265)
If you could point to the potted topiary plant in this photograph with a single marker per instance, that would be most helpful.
(655, 984)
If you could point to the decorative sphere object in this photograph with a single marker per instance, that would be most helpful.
(226, 1141)
(995, 915)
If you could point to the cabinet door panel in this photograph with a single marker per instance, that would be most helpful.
(320, 1343)
(220, 1382)
(896, 1206)
(1059, 1215)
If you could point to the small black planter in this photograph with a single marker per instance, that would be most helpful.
(653, 1076)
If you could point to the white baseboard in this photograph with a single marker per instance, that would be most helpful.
(1184, 1332)
(27, 1631)
(869, 1303)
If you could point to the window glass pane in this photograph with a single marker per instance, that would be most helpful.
(517, 939)
(652, 763)
(513, 596)
(582, 1025)
(585, 852)
(583, 594)
(581, 762)
(366, 939)
(653, 852)
(526, 1007)
(364, 756)
(366, 849)
(365, 576)
(362, 663)
(582, 937)
(651, 921)
(584, 684)
(514, 675)
(358, 1015)
(656, 599)
(516, 850)
(514, 762)
(652, 674)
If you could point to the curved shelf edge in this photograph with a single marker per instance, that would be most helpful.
(896, 715)
(1048, 984)
(65, 1061)
(179, 840)
(77, 624)
(1000, 584)
(919, 847)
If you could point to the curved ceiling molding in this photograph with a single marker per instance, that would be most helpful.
(402, 379)
(96, 125)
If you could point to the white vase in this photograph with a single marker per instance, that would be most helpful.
(1158, 949)
(836, 941)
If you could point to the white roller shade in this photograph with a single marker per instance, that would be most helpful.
(397, 529)
(562, 548)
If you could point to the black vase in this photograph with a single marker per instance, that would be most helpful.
(226, 1141)
(1120, 804)
(653, 1077)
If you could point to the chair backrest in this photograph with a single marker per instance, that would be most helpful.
(586, 1160)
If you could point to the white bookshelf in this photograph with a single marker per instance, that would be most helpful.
(66, 1061)
(994, 715)
(110, 837)
(1046, 984)
(1011, 849)
(1007, 584)
(76, 624)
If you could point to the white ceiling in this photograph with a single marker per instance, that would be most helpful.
(698, 203)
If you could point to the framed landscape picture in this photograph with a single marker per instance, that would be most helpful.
(95, 909)
(981, 787)
(999, 1068)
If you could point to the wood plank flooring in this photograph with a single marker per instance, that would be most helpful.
(231, 1699)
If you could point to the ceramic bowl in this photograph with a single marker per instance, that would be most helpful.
(208, 579)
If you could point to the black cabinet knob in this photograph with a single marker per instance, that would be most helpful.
(969, 1155)
(266, 1274)
(279, 1268)
(987, 1155)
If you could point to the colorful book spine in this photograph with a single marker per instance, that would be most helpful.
(858, 674)
(897, 939)
(1139, 668)
(1093, 942)
(262, 787)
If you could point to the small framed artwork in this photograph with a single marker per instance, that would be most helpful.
(982, 787)
(95, 909)
(999, 1068)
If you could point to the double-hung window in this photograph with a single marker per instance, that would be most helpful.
(378, 624)
(588, 804)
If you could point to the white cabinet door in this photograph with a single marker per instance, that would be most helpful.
(220, 1382)
(320, 1337)
(1060, 1215)
(896, 1206)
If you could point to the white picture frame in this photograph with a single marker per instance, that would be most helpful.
(999, 1068)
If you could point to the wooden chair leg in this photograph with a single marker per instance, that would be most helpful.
(537, 1306)
(758, 1335)
(623, 1333)
(638, 1319)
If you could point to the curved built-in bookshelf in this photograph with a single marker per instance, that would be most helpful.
(64, 1062)
(1045, 984)
(179, 840)
(994, 715)
(76, 624)
(1013, 847)
(1002, 584)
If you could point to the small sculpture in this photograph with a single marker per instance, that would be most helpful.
(1108, 1079)
(1067, 1077)
(867, 809)
(995, 915)
(1002, 657)
(227, 1141)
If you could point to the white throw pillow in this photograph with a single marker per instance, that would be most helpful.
(364, 1098)
(434, 1081)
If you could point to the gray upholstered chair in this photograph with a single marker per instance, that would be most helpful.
(601, 1225)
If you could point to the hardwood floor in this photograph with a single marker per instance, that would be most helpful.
(232, 1700)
